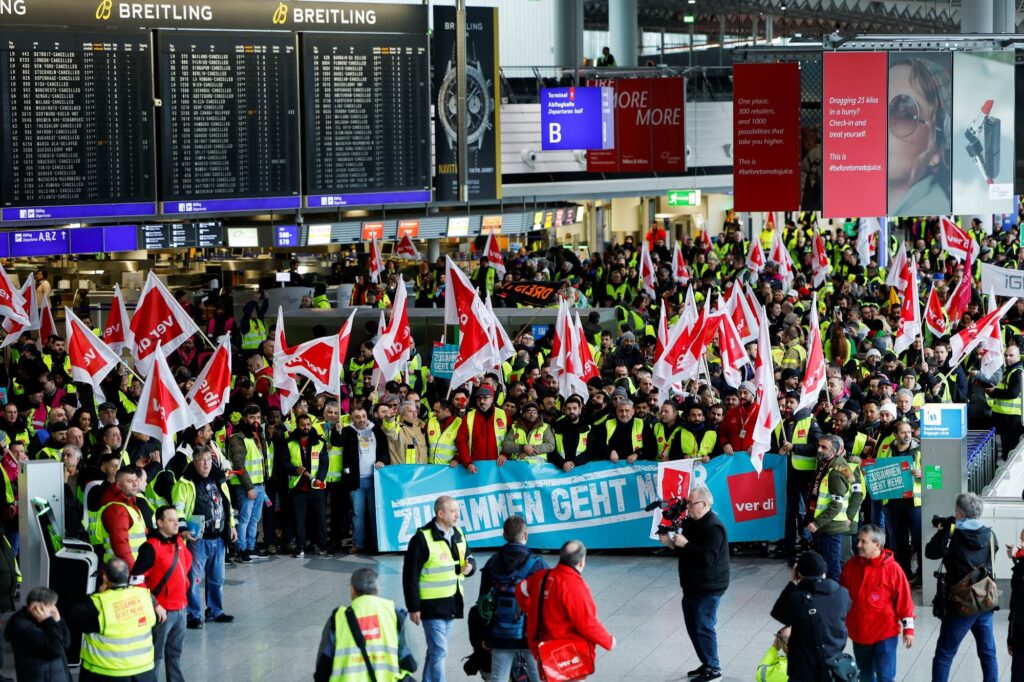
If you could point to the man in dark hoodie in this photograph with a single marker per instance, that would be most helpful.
(505, 634)
(307, 471)
(702, 545)
(962, 546)
(813, 608)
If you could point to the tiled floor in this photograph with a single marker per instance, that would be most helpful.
(281, 604)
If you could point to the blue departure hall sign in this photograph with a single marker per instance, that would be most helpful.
(577, 118)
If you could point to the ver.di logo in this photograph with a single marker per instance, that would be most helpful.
(281, 13)
(103, 10)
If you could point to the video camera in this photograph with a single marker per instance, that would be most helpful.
(674, 512)
(946, 522)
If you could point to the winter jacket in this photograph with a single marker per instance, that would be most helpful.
(415, 557)
(509, 561)
(961, 549)
(154, 561)
(1015, 633)
(405, 439)
(880, 596)
(704, 561)
(569, 609)
(831, 603)
(39, 648)
(117, 521)
(737, 427)
(840, 480)
(483, 437)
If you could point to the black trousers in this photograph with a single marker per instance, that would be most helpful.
(1010, 430)
(311, 502)
(341, 513)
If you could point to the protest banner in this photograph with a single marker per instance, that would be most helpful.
(889, 478)
(442, 360)
(600, 503)
(530, 294)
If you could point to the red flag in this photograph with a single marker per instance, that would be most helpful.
(733, 355)
(814, 375)
(755, 256)
(376, 261)
(493, 254)
(965, 341)
(680, 269)
(767, 414)
(646, 271)
(897, 269)
(819, 261)
(317, 360)
(956, 241)
(588, 370)
(406, 249)
(662, 335)
(961, 297)
(162, 410)
(15, 329)
(392, 350)
(284, 381)
(934, 315)
(158, 320)
(910, 315)
(476, 354)
(91, 359)
(212, 388)
(47, 325)
(12, 303)
(343, 336)
(705, 240)
(116, 333)
(458, 294)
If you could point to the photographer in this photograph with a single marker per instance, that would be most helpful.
(703, 550)
(962, 543)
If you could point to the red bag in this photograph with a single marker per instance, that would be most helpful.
(562, 660)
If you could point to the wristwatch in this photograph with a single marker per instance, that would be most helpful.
(479, 103)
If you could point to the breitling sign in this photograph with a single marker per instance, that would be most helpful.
(292, 15)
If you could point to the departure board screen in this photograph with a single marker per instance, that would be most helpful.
(229, 123)
(367, 119)
(77, 125)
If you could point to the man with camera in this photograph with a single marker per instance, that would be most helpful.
(703, 550)
(966, 549)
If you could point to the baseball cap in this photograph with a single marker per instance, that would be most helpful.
(811, 565)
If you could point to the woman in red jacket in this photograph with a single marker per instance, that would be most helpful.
(569, 609)
(881, 605)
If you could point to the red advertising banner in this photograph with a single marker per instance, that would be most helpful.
(855, 134)
(766, 137)
(649, 127)
(408, 228)
(373, 231)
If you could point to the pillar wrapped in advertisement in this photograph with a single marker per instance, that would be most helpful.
(983, 120)
(854, 126)
(766, 137)
(483, 104)
(920, 112)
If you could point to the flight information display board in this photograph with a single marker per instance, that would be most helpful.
(182, 235)
(367, 119)
(230, 123)
(77, 137)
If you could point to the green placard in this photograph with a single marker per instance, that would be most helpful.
(684, 197)
(890, 478)
(933, 477)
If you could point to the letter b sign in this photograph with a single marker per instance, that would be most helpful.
(554, 133)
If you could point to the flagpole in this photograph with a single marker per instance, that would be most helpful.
(206, 338)
(136, 374)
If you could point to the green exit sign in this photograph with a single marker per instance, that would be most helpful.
(684, 197)
(688, 18)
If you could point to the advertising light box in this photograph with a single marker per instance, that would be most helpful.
(577, 118)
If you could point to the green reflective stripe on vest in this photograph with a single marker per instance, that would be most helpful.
(824, 499)
(800, 435)
(441, 444)
(665, 442)
(691, 448)
(441, 576)
(637, 436)
(136, 532)
(183, 497)
(581, 443)
(8, 489)
(1008, 406)
(860, 441)
(500, 423)
(124, 645)
(295, 457)
(255, 335)
(334, 464)
(536, 438)
(253, 463)
(50, 453)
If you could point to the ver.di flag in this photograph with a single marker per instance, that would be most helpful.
(212, 388)
(162, 410)
(159, 320)
(91, 359)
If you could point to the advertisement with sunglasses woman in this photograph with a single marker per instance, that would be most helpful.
(983, 116)
(920, 133)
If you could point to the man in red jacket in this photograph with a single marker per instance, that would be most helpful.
(124, 529)
(881, 605)
(569, 609)
(482, 432)
(736, 432)
(165, 562)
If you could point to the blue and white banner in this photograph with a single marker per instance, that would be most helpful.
(600, 503)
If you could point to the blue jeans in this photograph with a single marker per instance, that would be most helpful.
(952, 632)
(700, 613)
(830, 547)
(502, 660)
(168, 641)
(249, 513)
(877, 662)
(436, 631)
(207, 567)
(364, 514)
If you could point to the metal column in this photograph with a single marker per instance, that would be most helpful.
(460, 95)
(623, 32)
(569, 33)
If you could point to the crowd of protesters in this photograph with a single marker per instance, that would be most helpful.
(257, 482)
